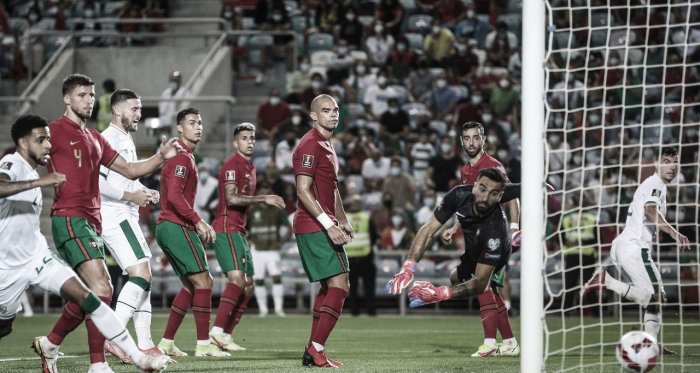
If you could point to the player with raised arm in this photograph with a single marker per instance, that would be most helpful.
(321, 226)
(631, 250)
(25, 258)
(76, 222)
(121, 199)
(473, 142)
(178, 233)
(487, 246)
(237, 183)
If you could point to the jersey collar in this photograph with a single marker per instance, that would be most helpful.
(21, 159)
(70, 122)
(237, 154)
(187, 148)
(118, 129)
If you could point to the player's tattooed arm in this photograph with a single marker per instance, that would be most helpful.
(9, 188)
(235, 199)
(477, 285)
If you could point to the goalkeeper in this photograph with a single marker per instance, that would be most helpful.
(487, 248)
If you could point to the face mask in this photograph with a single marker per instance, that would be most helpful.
(274, 101)
(680, 216)
(654, 49)
(361, 123)
(470, 13)
(401, 47)
(487, 70)
(648, 153)
(304, 67)
(614, 61)
(393, 110)
(228, 15)
(350, 17)
(316, 85)
(436, 30)
(296, 120)
(476, 100)
(33, 17)
(173, 86)
(430, 202)
(594, 119)
(441, 83)
(342, 50)
(558, 122)
(381, 80)
(88, 13)
(487, 118)
(277, 17)
(554, 139)
(502, 154)
(504, 83)
(461, 47)
(204, 176)
(446, 148)
(492, 139)
(396, 220)
(378, 29)
(569, 125)
(360, 69)
(395, 171)
(691, 133)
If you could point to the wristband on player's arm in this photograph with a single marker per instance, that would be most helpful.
(409, 265)
(325, 220)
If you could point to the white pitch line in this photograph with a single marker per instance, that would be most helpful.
(37, 358)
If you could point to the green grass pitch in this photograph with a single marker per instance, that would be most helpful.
(424, 343)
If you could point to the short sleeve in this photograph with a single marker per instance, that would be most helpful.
(9, 167)
(230, 174)
(653, 192)
(448, 206)
(306, 160)
(109, 155)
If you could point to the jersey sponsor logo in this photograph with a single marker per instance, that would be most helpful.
(180, 171)
(494, 244)
(74, 142)
(307, 161)
(5, 165)
(230, 175)
(655, 193)
(247, 175)
(492, 256)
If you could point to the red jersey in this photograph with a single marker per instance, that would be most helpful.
(469, 173)
(236, 170)
(315, 157)
(178, 186)
(78, 154)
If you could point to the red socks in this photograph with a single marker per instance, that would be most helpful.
(71, 317)
(330, 313)
(177, 313)
(503, 320)
(489, 314)
(201, 307)
(237, 313)
(229, 299)
(320, 298)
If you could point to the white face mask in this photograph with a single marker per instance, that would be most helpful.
(648, 153)
(228, 15)
(476, 100)
(204, 176)
(436, 30)
(594, 119)
(350, 16)
(504, 83)
(381, 80)
(360, 69)
(304, 67)
(395, 171)
(378, 29)
(88, 13)
(487, 118)
(274, 100)
(502, 154)
(577, 159)
(441, 83)
(429, 201)
(277, 17)
(396, 220)
(554, 139)
(691, 133)
(316, 85)
(492, 139)
(470, 13)
(393, 110)
(33, 17)
(173, 86)
(342, 51)
(446, 148)
(361, 123)
(400, 47)
(296, 120)
(461, 47)
(558, 122)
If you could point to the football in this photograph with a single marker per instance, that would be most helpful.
(637, 351)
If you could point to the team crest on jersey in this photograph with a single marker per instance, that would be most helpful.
(180, 171)
(243, 260)
(93, 243)
(654, 192)
(307, 161)
(494, 244)
(5, 165)
(230, 175)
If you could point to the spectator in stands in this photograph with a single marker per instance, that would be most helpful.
(427, 6)
(328, 14)
(359, 80)
(7, 56)
(102, 111)
(271, 114)
(397, 236)
(32, 45)
(462, 63)
(442, 100)
(428, 201)
(515, 64)
(205, 200)
(500, 44)
(444, 167)
(390, 13)
(401, 61)
(349, 29)
(504, 97)
(471, 110)
(339, 64)
(360, 146)
(394, 126)
(318, 86)
(297, 123)
(168, 109)
(487, 118)
(450, 13)
(486, 78)
(472, 27)
(283, 44)
(379, 44)
(421, 154)
(133, 11)
(234, 22)
(375, 169)
(400, 185)
(263, 10)
(361, 256)
(419, 81)
(283, 152)
(377, 97)
(568, 92)
(338, 94)
(437, 46)
(89, 24)
(299, 80)
(558, 150)
(687, 42)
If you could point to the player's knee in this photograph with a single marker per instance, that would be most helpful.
(259, 282)
(276, 280)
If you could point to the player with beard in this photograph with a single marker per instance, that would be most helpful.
(473, 143)
(76, 222)
(178, 233)
(121, 199)
(487, 245)
(237, 184)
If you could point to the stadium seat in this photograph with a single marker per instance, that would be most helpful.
(622, 38)
(444, 268)
(46, 23)
(401, 91)
(22, 9)
(601, 19)
(299, 24)
(18, 26)
(112, 8)
(561, 40)
(292, 267)
(462, 91)
(409, 6)
(291, 5)
(599, 38)
(301, 48)
(425, 270)
(51, 44)
(436, 70)
(319, 42)
(515, 24)
(354, 110)
(359, 55)
(365, 20)
(355, 182)
(320, 58)
(248, 23)
(413, 109)
(261, 162)
(439, 126)
(255, 45)
(371, 200)
(262, 148)
(387, 267)
(514, 7)
(415, 42)
(419, 23)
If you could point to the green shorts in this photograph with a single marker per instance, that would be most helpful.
(182, 247)
(76, 240)
(233, 253)
(499, 277)
(320, 257)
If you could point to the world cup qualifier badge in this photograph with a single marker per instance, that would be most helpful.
(307, 161)
(5, 165)
(230, 175)
(180, 171)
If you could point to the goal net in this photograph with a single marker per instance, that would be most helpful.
(621, 81)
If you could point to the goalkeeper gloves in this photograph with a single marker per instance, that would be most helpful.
(401, 279)
(424, 292)
(515, 242)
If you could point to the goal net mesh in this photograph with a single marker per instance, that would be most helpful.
(621, 81)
